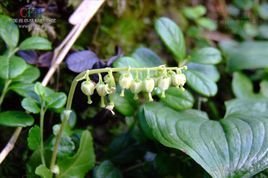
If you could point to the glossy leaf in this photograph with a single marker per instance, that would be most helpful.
(194, 12)
(29, 75)
(35, 42)
(210, 71)
(172, 36)
(235, 146)
(30, 105)
(246, 55)
(200, 83)
(33, 138)
(81, 61)
(9, 31)
(242, 86)
(178, 99)
(43, 172)
(23, 89)
(11, 68)
(15, 119)
(207, 55)
(56, 100)
(207, 23)
(107, 170)
(80, 163)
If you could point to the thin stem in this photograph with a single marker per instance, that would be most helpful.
(4, 92)
(42, 118)
(80, 77)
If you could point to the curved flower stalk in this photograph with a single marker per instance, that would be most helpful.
(165, 77)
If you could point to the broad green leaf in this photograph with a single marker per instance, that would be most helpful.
(244, 4)
(200, 83)
(30, 105)
(66, 146)
(43, 172)
(172, 36)
(43, 91)
(242, 86)
(56, 100)
(107, 170)
(194, 12)
(9, 31)
(33, 138)
(15, 119)
(210, 71)
(178, 99)
(23, 89)
(11, 68)
(29, 75)
(235, 146)
(246, 55)
(35, 42)
(207, 55)
(207, 23)
(142, 57)
(80, 163)
(125, 105)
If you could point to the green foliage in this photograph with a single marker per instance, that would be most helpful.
(11, 68)
(33, 138)
(172, 36)
(206, 55)
(107, 170)
(35, 43)
(43, 172)
(80, 163)
(236, 134)
(194, 12)
(15, 119)
(9, 32)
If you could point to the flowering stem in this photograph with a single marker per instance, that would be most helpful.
(83, 76)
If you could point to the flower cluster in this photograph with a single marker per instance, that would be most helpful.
(157, 77)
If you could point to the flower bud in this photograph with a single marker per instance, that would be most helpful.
(88, 87)
(136, 87)
(102, 89)
(149, 85)
(109, 79)
(178, 80)
(163, 85)
(125, 82)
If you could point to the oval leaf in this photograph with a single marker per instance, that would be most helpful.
(30, 105)
(107, 170)
(35, 42)
(206, 55)
(11, 68)
(33, 138)
(236, 146)
(172, 36)
(9, 31)
(200, 83)
(178, 99)
(242, 86)
(15, 119)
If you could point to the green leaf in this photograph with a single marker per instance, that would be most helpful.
(207, 23)
(194, 12)
(23, 89)
(66, 146)
(235, 146)
(37, 43)
(15, 119)
(43, 91)
(178, 99)
(207, 55)
(200, 83)
(242, 86)
(107, 170)
(11, 68)
(244, 4)
(125, 105)
(56, 100)
(9, 31)
(210, 71)
(246, 55)
(43, 172)
(79, 164)
(33, 138)
(29, 75)
(30, 105)
(172, 36)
